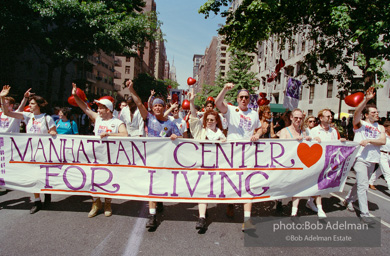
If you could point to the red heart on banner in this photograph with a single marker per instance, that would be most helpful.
(309, 155)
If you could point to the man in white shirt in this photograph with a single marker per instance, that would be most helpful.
(105, 125)
(322, 132)
(242, 124)
(132, 118)
(370, 135)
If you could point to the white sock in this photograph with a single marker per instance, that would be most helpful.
(319, 207)
(37, 199)
(152, 211)
(247, 215)
(294, 211)
(202, 216)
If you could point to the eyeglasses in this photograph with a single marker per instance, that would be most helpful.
(312, 121)
(210, 120)
(246, 97)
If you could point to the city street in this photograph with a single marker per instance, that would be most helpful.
(65, 229)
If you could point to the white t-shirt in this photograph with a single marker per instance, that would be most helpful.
(135, 127)
(241, 124)
(324, 135)
(38, 124)
(9, 124)
(180, 123)
(369, 153)
(109, 126)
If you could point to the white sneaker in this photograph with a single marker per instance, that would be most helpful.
(311, 205)
(349, 206)
(321, 214)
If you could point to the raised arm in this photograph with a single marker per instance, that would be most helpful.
(27, 95)
(137, 100)
(191, 97)
(84, 107)
(219, 101)
(6, 111)
(152, 93)
(173, 106)
(370, 94)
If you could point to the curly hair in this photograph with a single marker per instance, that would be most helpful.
(217, 117)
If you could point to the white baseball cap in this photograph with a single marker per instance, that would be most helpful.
(106, 103)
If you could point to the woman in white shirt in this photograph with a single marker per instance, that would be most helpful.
(207, 128)
(37, 123)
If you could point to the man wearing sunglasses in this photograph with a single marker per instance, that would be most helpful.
(242, 124)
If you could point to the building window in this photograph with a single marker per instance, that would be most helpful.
(127, 59)
(303, 45)
(127, 70)
(300, 92)
(310, 112)
(311, 94)
(330, 90)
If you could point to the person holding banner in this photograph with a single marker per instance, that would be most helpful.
(243, 123)
(208, 128)
(371, 136)
(295, 131)
(131, 116)
(38, 123)
(105, 125)
(158, 126)
(267, 125)
(322, 132)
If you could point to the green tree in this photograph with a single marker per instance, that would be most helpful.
(172, 83)
(64, 30)
(239, 73)
(340, 30)
(144, 83)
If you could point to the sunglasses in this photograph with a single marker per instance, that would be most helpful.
(246, 97)
(312, 121)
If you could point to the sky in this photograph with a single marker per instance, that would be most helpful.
(186, 33)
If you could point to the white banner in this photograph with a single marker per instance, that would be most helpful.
(183, 170)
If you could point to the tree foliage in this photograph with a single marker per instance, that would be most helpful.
(144, 83)
(341, 30)
(64, 30)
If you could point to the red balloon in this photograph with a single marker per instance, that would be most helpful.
(261, 101)
(108, 98)
(81, 94)
(262, 94)
(169, 87)
(186, 105)
(266, 102)
(210, 99)
(272, 77)
(354, 100)
(72, 101)
(191, 81)
(185, 92)
(202, 109)
(26, 109)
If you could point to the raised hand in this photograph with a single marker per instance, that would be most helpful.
(152, 92)
(370, 93)
(191, 95)
(5, 90)
(129, 84)
(74, 90)
(229, 86)
(28, 94)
